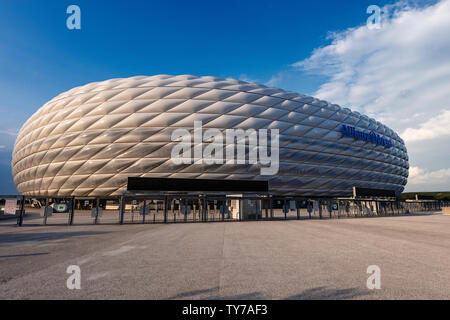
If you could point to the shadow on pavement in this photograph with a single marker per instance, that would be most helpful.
(44, 236)
(325, 293)
(24, 255)
(318, 293)
(186, 295)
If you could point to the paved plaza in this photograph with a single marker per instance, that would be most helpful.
(306, 259)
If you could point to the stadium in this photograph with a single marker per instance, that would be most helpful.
(89, 140)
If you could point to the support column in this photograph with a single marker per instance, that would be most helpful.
(122, 209)
(165, 209)
(97, 205)
(205, 208)
(72, 210)
(22, 212)
(143, 211)
(320, 209)
(271, 208)
(241, 204)
(330, 208)
(266, 205)
(45, 211)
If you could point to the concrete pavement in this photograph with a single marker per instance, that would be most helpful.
(308, 259)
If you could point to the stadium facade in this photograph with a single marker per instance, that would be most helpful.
(89, 140)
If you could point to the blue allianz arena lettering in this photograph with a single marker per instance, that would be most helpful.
(372, 137)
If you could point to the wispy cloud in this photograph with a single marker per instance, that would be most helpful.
(10, 132)
(275, 79)
(245, 77)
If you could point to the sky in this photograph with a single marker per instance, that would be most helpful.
(398, 74)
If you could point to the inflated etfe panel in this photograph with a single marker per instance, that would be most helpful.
(89, 140)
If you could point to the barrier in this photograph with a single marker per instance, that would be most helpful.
(185, 208)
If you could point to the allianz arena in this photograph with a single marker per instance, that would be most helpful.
(89, 140)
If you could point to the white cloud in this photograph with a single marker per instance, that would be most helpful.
(435, 127)
(400, 75)
(395, 73)
(275, 80)
(421, 179)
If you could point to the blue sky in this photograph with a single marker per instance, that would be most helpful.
(250, 40)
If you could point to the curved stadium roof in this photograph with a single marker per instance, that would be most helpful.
(89, 140)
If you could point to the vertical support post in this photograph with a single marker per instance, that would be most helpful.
(309, 211)
(72, 210)
(320, 209)
(45, 211)
(240, 209)
(339, 208)
(205, 207)
(97, 205)
(271, 208)
(330, 208)
(201, 209)
(165, 208)
(298, 209)
(363, 208)
(21, 211)
(266, 207)
(143, 211)
(285, 209)
(194, 208)
(122, 209)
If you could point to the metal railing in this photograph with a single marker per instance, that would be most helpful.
(181, 208)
